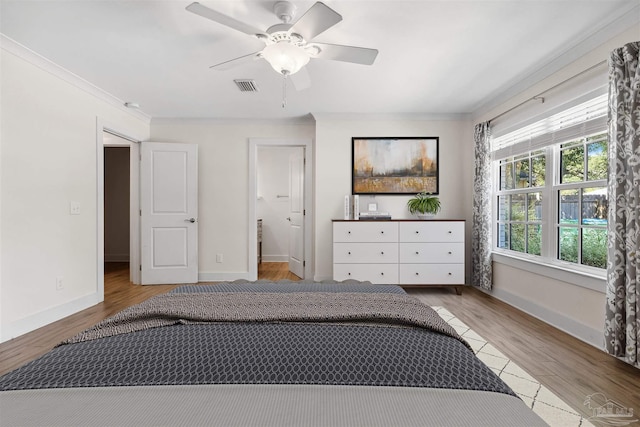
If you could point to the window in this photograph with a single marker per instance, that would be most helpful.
(520, 202)
(551, 189)
(582, 201)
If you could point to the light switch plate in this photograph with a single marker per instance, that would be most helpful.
(74, 208)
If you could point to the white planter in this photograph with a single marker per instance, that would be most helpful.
(426, 216)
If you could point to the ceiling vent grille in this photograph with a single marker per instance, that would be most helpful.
(246, 85)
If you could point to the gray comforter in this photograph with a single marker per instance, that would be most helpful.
(379, 350)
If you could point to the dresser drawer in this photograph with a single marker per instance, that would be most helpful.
(432, 231)
(427, 274)
(441, 253)
(383, 274)
(363, 253)
(370, 231)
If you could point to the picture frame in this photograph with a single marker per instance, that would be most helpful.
(395, 165)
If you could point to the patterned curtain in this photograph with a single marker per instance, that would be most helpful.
(622, 323)
(482, 275)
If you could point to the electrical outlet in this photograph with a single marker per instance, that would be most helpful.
(59, 283)
(219, 258)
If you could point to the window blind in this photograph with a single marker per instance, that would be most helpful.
(583, 119)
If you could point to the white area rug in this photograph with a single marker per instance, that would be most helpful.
(543, 402)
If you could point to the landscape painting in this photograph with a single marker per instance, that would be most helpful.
(403, 165)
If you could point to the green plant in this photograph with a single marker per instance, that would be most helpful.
(424, 203)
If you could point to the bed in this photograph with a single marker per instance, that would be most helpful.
(265, 354)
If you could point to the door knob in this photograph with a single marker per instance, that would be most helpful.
(191, 220)
(288, 218)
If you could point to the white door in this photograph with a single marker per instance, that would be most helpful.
(169, 213)
(296, 214)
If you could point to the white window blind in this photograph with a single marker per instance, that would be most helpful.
(583, 119)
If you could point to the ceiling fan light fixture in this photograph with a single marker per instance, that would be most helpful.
(285, 57)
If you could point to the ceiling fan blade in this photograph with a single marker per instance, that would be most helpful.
(220, 18)
(232, 63)
(316, 20)
(336, 52)
(301, 80)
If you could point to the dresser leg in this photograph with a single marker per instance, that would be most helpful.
(458, 290)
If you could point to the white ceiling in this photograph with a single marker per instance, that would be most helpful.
(435, 57)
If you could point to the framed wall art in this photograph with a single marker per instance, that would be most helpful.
(403, 165)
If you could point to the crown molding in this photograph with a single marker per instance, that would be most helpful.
(289, 121)
(421, 117)
(11, 46)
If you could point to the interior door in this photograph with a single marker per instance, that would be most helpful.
(296, 213)
(169, 213)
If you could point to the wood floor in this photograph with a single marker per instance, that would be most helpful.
(568, 367)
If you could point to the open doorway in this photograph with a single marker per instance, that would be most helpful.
(111, 254)
(285, 208)
(280, 242)
(117, 179)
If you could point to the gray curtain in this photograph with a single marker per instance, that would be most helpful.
(623, 276)
(481, 233)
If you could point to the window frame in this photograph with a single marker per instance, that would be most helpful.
(548, 262)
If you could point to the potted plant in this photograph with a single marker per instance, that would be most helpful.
(425, 205)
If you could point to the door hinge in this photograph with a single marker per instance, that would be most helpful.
(140, 267)
(140, 212)
(304, 263)
(304, 211)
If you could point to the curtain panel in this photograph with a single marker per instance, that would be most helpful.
(482, 274)
(623, 295)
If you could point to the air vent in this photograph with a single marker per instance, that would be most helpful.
(246, 85)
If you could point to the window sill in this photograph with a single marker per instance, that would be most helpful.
(595, 282)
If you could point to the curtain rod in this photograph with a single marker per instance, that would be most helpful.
(540, 97)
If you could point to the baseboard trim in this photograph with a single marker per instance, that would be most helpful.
(116, 257)
(576, 329)
(45, 317)
(275, 258)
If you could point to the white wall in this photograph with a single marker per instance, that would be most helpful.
(223, 186)
(333, 170)
(273, 204)
(49, 159)
(563, 301)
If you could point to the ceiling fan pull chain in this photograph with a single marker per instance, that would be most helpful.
(284, 89)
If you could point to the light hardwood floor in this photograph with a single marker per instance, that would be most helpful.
(568, 367)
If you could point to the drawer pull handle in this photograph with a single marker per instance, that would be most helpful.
(417, 274)
(417, 232)
(417, 253)
(382, 253)
(449, 274)
(382, 274)
(449, 252)
(348, 274)
(348, 232)
(349, 252)
(382, 232)
(449, 231)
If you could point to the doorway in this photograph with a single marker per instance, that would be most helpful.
(124, 261)
(116, 208)
(271, 200)
(277, 234)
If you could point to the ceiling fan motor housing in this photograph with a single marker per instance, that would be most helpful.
(285, 11)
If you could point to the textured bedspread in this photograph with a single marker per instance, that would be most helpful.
(289, 354)
(171, 309)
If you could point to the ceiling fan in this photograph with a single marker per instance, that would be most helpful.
(289, 46)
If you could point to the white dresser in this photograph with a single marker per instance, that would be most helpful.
(403, 252)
